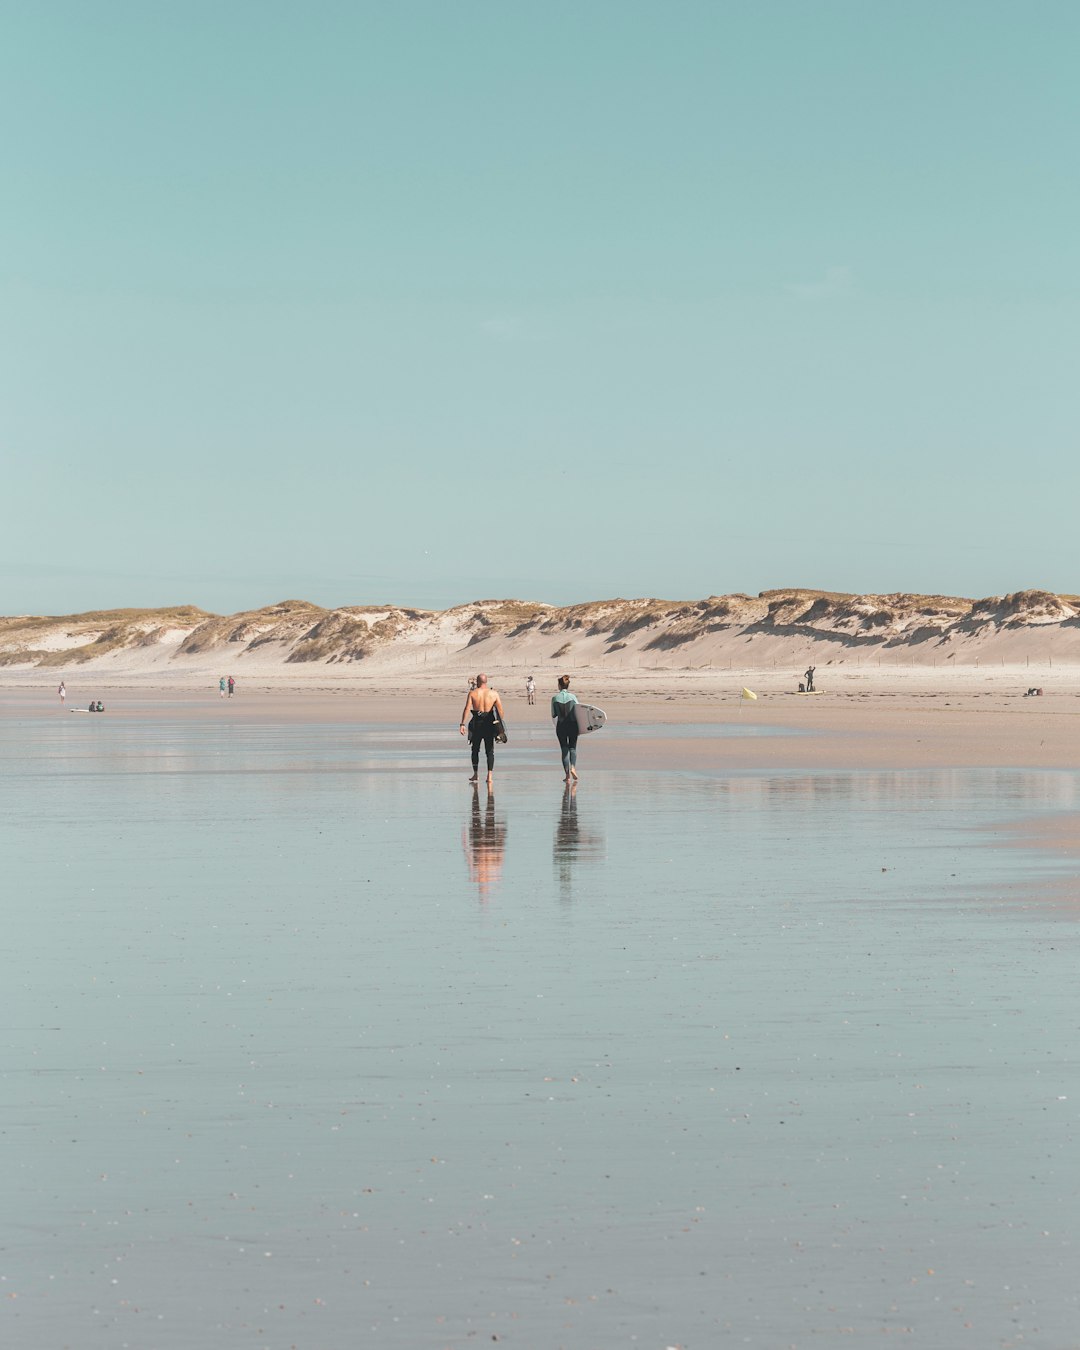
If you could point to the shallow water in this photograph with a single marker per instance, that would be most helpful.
(310, 1045)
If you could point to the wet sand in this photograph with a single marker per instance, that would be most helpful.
(757, 1037)
(876, 728)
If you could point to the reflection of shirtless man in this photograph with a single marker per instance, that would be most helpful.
(483, 703)
(485, 844)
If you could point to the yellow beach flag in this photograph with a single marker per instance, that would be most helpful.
(748, 693)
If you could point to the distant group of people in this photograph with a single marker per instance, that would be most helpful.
(96, 704)
(486, 724)
(226, 683)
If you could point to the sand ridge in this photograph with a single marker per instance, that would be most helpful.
(785, 629)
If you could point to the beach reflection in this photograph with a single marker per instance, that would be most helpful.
(572, 843)
(484, 841)
(796, 1001)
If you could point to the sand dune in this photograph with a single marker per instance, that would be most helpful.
(297, 642)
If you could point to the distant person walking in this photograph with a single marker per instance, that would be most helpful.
(810, 679)
(485, 706)
(232, 686)
(221, 687)
(563, 704)
(62, 691)
(530, 689)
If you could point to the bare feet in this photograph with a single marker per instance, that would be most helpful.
(489, 780)
(474, 779)
(573, 774)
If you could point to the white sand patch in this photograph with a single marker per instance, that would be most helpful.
(62, 641)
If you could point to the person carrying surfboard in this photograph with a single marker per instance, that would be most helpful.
(486, 709)
(563, 704)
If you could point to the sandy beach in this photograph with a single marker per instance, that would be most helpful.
(752, 1021)
(898, 720)
(901, 718)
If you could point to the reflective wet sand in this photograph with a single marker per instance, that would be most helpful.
(310, 1044)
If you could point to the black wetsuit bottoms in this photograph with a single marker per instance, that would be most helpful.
(566, 728)
(482, 730)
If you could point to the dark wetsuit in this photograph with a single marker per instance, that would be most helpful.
(566, 728)
(482, 730)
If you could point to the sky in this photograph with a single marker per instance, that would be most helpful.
(420, 302)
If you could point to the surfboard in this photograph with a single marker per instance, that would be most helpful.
(588, 717)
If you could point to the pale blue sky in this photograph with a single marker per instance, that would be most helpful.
(427, 302)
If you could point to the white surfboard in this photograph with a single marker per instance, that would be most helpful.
(588, 717)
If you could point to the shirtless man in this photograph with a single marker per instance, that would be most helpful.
(483, 703)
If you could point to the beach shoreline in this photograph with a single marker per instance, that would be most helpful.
(881, 723)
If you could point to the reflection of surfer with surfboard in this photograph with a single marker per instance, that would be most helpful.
(571, 719)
